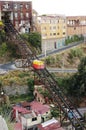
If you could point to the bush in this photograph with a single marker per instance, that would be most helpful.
(3, 49)
(75, 53)
(50, 60)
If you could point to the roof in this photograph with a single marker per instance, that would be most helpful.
(20, 109)
(18, 126)
(52, 124)
(25, 113)
(39, 108)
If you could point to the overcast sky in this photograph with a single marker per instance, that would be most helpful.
(66, 7)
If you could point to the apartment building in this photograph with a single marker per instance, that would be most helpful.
(20, 14)
(53, 31)
(76, 25)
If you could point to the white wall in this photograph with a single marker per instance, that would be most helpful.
(29, 123)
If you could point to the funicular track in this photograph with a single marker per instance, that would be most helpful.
(47, 79)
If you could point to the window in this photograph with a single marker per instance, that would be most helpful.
(54, 27)
(27, 6)
(44, 35)
(54, 34)
(21, 5)
(27, 15)
(16, 15)
(16, 23)
(63, 33)
(34, 119)
(15, 6)
(21, 15)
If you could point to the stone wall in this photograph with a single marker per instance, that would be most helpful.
(16, 90)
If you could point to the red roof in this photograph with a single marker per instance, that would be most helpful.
(18, 126)
(39, 108)
(50, 125)
(21, 109)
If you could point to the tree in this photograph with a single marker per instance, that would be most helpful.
(82, 73)
(35, 39)
(3, 49)
(2, 36)
(77, 84)
(30, 83)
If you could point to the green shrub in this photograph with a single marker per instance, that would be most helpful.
(3, 49)
(50, 60)
(75, 53)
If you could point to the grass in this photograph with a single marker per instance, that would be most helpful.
(19, 98)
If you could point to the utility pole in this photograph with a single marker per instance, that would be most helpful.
(45, 49)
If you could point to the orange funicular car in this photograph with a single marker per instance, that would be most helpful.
(37, 64)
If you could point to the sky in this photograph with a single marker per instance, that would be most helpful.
(64, 7)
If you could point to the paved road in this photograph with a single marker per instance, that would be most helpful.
(53, 70)
(4, 68)
(60, 49)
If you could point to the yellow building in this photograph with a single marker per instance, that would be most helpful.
(53, 31)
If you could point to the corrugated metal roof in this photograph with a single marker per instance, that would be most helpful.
(18, 126)
(39, 108)
(52, 124)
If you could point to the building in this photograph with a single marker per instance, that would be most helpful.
(43, 110)
(38, 96)
(53, 31)
(52, 124)
(27, 118)
(34, 20)
(20, 14)
(76, 25)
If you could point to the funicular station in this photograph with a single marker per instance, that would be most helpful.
(59, 98)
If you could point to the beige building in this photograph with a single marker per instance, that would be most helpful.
(53, 31)
(76, 25)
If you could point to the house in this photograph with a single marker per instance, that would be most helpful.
(52, 124)
(39, 108)
(27, 118)
(43, 110)
(18, 126)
